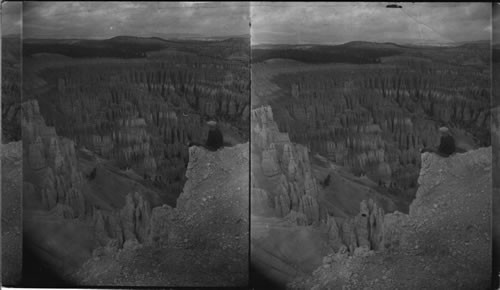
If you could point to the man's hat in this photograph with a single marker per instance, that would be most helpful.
(444, 130)
(211, 123)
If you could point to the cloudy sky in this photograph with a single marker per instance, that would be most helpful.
(334, 23)
(496, 23)
(11, 18)
(109, 19)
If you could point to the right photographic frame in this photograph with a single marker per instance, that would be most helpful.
(371, 147)
(495, 140)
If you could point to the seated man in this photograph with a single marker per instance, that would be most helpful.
(446, 145)
(215, 139)
(92, 174)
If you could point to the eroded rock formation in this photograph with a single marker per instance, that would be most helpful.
(376, 119)
(143, 117)
(210, 223)
(283, 174)
(50, 166)
(132, 223)
(294, 195)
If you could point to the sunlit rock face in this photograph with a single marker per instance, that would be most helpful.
(50, 164)
(284, 179)
(438, 172)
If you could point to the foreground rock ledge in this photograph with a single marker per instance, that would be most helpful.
(444, 243)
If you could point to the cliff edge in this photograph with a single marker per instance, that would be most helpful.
(203, 241)
(444, 242)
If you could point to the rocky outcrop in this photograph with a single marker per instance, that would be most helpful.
(282, 180)
(448, 226)
(50, 165)
(436, 171)
(374, 230)
(162, 226)
(135, 217)
(53, 182)
(282, 170)
(294, 195)
(136, 222)
(139, 223)
(365, 230)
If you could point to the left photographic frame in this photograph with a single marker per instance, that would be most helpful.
(135, 120)
(11, 151)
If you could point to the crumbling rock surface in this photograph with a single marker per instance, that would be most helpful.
(132, 223)
(289, 212)
(205, 237)
(282, 170)
(366, 230)
(443, 243)
(61, 212)
(437, 170)
(296, 194)
(12, 238)
(50, 165)
(288, 201)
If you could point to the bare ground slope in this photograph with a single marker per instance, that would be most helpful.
(208, 236)
(445, 240)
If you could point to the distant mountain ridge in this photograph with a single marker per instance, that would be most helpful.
(160, 37)
(364, 42)
(124, 46)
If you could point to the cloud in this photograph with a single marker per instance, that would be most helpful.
(11, 18)
(94, 19)
(342, 22)
(496, 23)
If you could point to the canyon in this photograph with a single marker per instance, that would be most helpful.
(375, 118)
(448, 227)
(297, 236)
(107, 219)
(141, 113)
(339, 183)
(111, 180)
